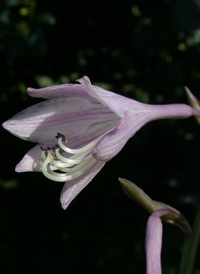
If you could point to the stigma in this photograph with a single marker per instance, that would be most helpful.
(57, 167)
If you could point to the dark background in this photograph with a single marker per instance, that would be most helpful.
(143, 49)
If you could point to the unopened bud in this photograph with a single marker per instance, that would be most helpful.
(140, 197)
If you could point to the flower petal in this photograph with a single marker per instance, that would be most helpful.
(32, 160)
(70, 116)
(115, 102)
(72, 188)
(85, 81)
(85, 89)
(59, 91)
(113, 142)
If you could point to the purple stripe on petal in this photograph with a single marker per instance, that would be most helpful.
(70, 116)
(59, 91)
(69, 90)
(32, 160)
(112, 143)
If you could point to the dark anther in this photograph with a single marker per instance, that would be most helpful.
(44, 149)
(59, 135)
(53, 148)
(62, 152)
(50, 148)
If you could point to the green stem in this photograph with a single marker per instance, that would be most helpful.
(190, 248)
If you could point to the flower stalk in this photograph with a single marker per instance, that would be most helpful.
(154, 230)
(140, 197)
(190, 247)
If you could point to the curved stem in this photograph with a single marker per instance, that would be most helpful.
(190, 247)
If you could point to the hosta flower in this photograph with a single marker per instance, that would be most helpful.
(80, 128)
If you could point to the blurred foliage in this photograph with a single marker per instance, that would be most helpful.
(144, 49)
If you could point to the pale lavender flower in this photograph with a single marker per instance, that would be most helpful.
(91, 126)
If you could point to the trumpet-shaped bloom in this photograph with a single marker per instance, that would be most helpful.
(79, 128)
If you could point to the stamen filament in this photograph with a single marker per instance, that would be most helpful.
(60, 165)
(68, 168)
(76, 168)
(66, 160)
(87, 147)
(55, 173)
(59, 176)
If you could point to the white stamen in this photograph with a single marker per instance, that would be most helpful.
(76, 168)
(71, 167)
(68, 168)
(45, 165)
(61, 165)
(67, 160)
(88, 147)
(64, 177)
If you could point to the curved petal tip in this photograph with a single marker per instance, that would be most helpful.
(31, 161)
(72, 188)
